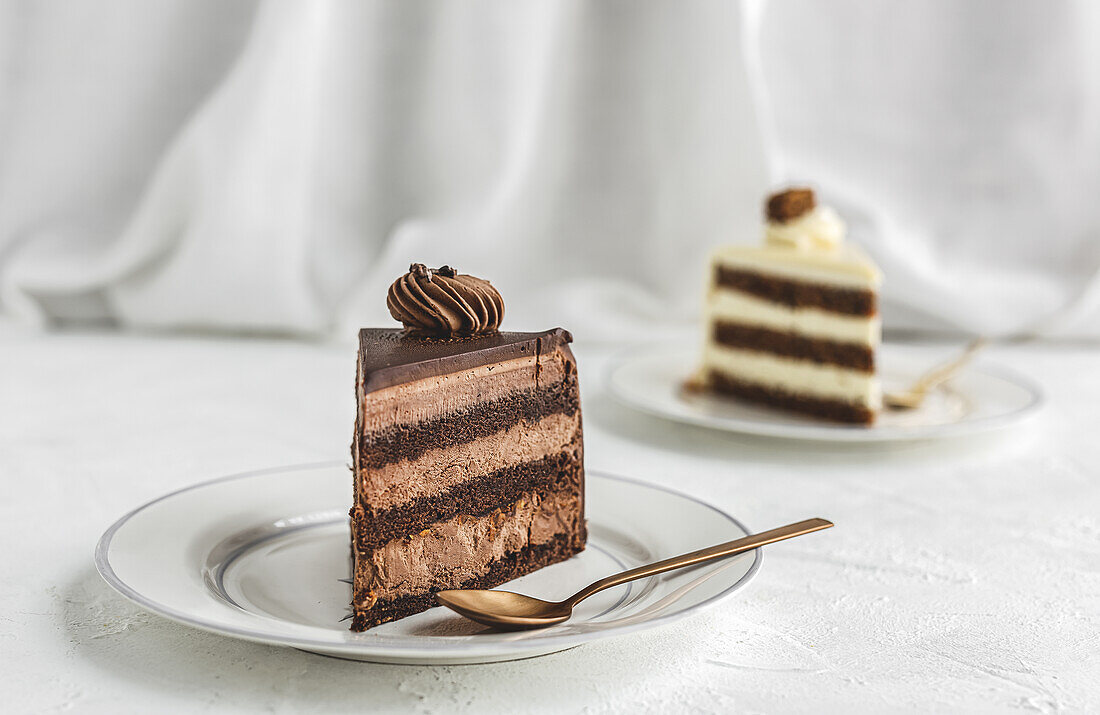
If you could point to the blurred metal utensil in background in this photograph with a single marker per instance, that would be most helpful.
(914, 396)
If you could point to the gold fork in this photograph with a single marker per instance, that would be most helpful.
(914, 396)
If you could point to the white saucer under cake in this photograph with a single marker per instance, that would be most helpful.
(263, 556)
(983, 397)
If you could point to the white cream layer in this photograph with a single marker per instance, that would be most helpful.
(450, 553)
(794, 376)
(844, 267)
(735, 306)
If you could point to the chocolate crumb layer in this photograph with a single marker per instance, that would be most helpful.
(410, 441)
(475, 497)
(790, 204)
(830, 352)
(796, 294)
(513, 565)
(834, 410)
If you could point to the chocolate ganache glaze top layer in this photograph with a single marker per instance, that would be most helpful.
(442, 301)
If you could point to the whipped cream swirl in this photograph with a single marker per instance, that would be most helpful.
(820, 228)
(444, 302)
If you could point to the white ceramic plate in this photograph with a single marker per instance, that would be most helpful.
(978, 399)
(264, 556)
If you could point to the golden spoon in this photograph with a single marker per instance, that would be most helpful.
(507, 611)
(914, 396)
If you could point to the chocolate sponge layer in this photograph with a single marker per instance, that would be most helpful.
(797, 294)
(817, 407)
(855, 356)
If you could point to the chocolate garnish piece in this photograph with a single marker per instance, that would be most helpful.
(790, 204)
(444, 302)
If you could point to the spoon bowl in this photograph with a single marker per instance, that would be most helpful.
(504, 609)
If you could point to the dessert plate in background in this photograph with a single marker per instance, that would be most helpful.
(980, 398)
(264, 556)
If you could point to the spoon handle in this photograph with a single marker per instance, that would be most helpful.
(729, 548)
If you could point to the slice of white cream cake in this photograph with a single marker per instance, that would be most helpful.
(794, 323)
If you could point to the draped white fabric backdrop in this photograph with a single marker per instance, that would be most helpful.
(273, 166)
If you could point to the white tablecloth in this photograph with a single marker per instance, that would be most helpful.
(961, 576)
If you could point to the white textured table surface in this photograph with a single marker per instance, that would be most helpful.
(961, 576)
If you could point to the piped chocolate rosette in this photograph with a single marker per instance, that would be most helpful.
(444, 302)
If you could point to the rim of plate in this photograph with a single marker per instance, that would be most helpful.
(463, 645)
(828, 432)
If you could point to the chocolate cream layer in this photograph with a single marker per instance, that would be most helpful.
(436, 470)
(513, 565)
(450, 553)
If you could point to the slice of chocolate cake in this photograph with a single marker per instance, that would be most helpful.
(467, 455)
